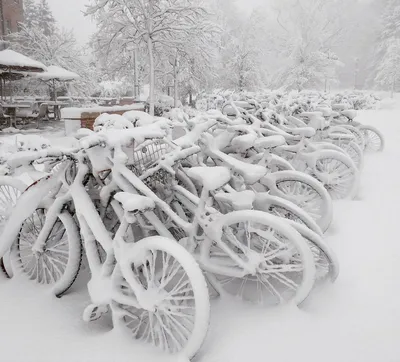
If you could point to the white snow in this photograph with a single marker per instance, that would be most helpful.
(139, 118)
(57, 73)
(354, 320)
(73, 113)
(10, 58)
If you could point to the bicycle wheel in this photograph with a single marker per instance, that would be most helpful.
(353, 151)
(306, 192)
(278, 206)
(337, 172)
(58, 266)
(10, 190)
(176, 317)
(281, 266)
(325, 259)
(374, 139)
(359, 137)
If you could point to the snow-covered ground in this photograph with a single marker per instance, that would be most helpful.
(355, 320)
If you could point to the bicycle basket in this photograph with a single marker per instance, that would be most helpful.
(145, 156)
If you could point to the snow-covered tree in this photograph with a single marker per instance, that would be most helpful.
(388, 72)
(305, 69)
(45, 18)
(243, 54)
(147, 25)
(59, 48)
(308, 29)
(38, 13)
(30, 13)
(190, 65)
(385, 66)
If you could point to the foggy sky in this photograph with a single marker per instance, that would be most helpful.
(69, 15)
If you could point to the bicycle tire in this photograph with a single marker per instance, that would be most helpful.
(322, 208)
(284, 231)
(11, 188)
(43, 275)
(138, 257)
(371, 133)
(281, 207)
(342, 163)
(321, 251)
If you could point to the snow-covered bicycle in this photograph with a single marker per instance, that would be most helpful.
(153, 286)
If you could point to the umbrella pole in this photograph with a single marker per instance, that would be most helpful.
(11, 95)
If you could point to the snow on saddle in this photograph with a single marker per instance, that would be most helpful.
(212, 178)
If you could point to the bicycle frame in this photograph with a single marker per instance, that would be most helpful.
(92, 230)
(205, 218)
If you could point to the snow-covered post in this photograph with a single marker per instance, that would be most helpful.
(136, 91)
(173, 60)
(393, 87)
(356, 69)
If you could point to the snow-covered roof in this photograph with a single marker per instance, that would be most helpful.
(58, 73)
(9, 59)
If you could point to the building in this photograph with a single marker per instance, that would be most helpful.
(11, 14)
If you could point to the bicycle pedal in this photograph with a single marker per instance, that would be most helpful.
(94, 312)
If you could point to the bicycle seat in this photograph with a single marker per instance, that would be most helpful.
(242, 200)
(133, 202)
(251, 173)
(326, 112)
(339, 107)
(244, 142)
(349, 113)
(212, 178)
(270, 142)
(341, 136)
(310, 115)
(303, 131)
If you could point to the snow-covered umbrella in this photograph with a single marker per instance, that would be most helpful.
(14, 65)
(55, 73)
(11, 61)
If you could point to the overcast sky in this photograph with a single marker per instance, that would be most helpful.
(69, 14)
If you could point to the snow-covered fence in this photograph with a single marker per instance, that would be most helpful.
(76, 118)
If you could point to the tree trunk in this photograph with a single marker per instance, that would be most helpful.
(393, 88)
(152, 79)
(176, 85)
(241, 81)
(191, 98)
(136, 92)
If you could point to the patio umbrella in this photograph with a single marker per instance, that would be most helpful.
(55, 73)
(12, 62)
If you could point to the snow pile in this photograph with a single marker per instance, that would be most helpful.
(107, 121)
(138, 118)
(10, 130)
